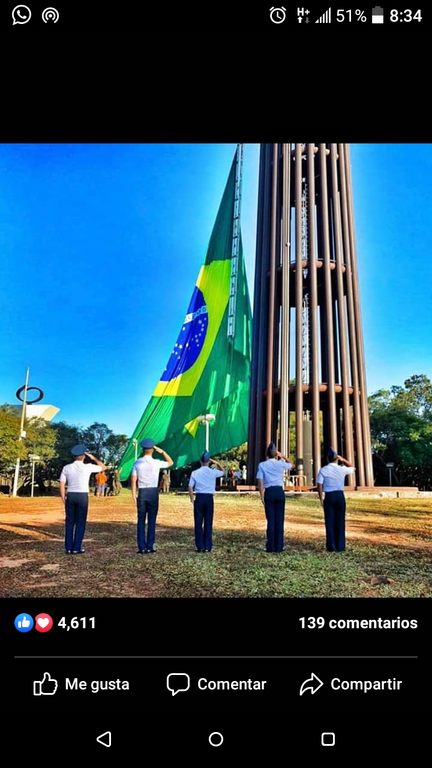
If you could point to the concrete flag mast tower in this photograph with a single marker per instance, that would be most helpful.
(308, 365)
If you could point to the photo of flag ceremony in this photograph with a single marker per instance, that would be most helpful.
(217, 370)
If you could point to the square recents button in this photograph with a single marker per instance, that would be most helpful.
(328, 739)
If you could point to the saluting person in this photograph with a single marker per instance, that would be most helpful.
(203, 483)
(77, 476)
(145, 473)
(270, 485)
(331, 480)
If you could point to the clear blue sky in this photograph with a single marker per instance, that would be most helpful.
(101, 246)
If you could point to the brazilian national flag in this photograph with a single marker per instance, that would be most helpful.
(207, 371)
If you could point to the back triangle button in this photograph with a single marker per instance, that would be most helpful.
(105, 739)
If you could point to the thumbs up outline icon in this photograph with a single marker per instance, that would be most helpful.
(46, 687)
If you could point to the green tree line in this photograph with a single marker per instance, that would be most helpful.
(400, 419)
(401, 428)
(52, 442)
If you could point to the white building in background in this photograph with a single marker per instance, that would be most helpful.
(39, 411)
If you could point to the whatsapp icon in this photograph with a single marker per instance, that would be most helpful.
(21, 14)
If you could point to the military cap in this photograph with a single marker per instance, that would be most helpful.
(78, 450)
(147, 443)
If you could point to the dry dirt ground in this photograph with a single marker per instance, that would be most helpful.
(389, 551)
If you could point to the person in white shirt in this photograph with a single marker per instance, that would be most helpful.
(331, 480)
(77, 476)
(203, 483)
(145, 474)
(270, 476)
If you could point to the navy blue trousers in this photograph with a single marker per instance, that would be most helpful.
(334, 514)
(147, 508)
(76, 517)
(203, 514)
(274, 502)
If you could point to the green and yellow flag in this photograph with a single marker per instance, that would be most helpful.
(208, 370)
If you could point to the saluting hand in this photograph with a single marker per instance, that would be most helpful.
(159, 450)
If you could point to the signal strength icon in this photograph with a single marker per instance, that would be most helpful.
(325, 18)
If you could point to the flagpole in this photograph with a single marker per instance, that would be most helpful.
(235, 249)
(206, 419)
(17, 467)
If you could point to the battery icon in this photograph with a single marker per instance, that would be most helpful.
(377, 15)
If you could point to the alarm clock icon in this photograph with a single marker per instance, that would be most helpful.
(277, 15)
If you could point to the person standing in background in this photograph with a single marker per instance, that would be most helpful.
(101, 481)
(166, 477)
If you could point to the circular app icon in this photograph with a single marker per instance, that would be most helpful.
(21, 14)
(50, 14)
(23, 622)
(43, 622)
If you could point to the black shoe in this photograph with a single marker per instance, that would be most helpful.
(199, 550)
(151, 550)
(78, 551)
(141, 552)
(68, 552)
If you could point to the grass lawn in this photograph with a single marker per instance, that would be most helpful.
(389, 548)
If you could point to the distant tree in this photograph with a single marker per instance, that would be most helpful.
(40, 438)
(97, 437)
(401, 428)
(53, 443)
(234, 457)
(11, 448)
(66, 436)
(115, 447)
(39, 441)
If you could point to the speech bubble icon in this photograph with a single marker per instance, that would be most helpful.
(21, 14)
(178, 681)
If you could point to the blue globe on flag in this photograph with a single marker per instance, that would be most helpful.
(190, 340)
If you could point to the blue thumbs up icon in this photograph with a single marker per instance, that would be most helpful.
(24, 622)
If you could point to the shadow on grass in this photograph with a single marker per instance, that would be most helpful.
(112, 535)
(237, 567)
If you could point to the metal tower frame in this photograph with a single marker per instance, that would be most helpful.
(307, 310)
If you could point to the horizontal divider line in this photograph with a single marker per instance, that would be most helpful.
(216, 657)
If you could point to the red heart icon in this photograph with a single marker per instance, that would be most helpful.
(43, 622)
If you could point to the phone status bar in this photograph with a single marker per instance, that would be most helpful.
(36, 16)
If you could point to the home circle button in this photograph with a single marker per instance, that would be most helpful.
(215, 739)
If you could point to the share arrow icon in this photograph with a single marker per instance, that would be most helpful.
(313, 684)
